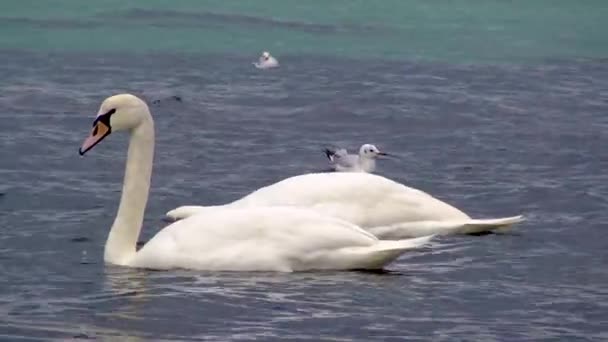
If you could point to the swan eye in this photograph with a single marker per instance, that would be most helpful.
(105, 118)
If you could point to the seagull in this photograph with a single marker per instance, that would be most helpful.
(266, 61)
(365, 161)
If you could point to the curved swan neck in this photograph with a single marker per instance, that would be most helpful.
(122, 240)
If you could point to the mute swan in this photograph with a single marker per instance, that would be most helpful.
(387, 209)
(266, 61)
(365, 161)
(249, 239)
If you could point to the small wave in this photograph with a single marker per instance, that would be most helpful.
(49, 23)
(213, 18)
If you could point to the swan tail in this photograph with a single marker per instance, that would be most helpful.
(477, 226)
(449, 227)
(382, 253)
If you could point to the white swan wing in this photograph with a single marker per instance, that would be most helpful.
(269, 238)
(361, 198)
(387, 209)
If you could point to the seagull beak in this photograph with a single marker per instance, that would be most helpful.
(383, 154)
(99, 131)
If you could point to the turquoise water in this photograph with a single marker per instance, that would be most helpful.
(451, 31)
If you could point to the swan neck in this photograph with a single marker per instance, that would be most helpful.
(122, 240)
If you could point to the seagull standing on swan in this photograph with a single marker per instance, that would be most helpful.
(341, 161)
(249, 239)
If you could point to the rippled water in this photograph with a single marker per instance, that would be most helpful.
(493, 140)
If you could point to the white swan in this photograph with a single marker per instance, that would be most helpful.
(385, 208)
(249, 239)
(266, 61)
(365, 161)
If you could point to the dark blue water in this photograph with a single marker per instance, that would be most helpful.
(493, 140)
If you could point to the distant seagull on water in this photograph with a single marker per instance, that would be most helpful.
(266, 61)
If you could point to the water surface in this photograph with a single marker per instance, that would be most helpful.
(494, 130)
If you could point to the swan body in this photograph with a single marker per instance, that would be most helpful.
(271, 238)
(268, 239)
(266, 61)
(365, 161)
(387, 209)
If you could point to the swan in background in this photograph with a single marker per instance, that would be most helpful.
(247, 239)
(387, 209)
(266, 61)
(365, 161)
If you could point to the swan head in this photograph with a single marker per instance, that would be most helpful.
(370, 151)
(116, 113)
